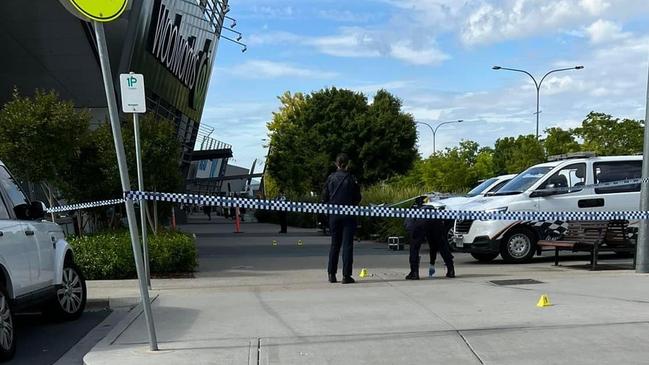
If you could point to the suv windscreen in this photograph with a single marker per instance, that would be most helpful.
(606, 172)
(481, 188)
(11, 187)
(498, 186)
(524, 180)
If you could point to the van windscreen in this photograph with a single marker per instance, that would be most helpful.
(524, 181)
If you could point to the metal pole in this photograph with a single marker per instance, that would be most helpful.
(434, 133)
(538, 99)
(140, 182)
(642, 246)
(123, 174)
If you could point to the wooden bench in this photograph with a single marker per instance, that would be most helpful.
(580, 236)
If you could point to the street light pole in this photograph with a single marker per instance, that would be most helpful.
(434, 130)
(537, 85)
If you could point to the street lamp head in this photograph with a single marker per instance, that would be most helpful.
(460, 121)
(496, 68)
(579, 67)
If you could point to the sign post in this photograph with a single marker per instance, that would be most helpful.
(134, 101)
(642, 246)
(99, 11)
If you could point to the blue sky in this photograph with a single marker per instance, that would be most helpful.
(436, 56)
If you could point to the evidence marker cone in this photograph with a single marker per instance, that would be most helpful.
(544, 301)
(300, 243)
(274, 242)
(363, 273)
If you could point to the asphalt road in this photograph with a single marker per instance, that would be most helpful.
(223, 253)
(42, 342)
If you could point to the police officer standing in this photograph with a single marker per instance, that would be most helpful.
(433, 231)
(341, 188)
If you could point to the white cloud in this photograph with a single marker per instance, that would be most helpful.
(516, 19)
(595, 7)
(263, 69)
(604, 31)
(480, 22)
(423, 56)
(350, 42)
(361, 42)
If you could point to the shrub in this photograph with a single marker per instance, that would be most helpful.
(389, 194)
(109, 255)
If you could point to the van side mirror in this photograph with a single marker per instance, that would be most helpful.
(542, 193)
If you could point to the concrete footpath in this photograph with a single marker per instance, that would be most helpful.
(255, 303)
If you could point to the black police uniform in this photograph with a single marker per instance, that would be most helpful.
(433, 231)
(341, 189)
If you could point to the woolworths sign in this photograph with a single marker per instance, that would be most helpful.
(183, 49)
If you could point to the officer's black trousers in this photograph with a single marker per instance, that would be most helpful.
(283, 221)
(434, 232)
(438, 240)
(342, 235)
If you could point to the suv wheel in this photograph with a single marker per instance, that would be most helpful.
(7, 334)
(518, 246)
(70, 300)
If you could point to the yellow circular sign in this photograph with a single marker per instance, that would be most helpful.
(99, 10)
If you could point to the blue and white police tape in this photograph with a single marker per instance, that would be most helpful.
(80, 206)
(381, 211)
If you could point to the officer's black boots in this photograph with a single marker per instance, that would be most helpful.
(450, 271)
(332, 278)
(348, 280)
(414, 272)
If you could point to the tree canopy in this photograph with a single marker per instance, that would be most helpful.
(44, 139)
(41, 136)
(309, 131)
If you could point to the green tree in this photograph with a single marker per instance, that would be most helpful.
(513, 155)
(41, 137)
(606, 135)
(559, 141)
(308, 132)
(453, 170)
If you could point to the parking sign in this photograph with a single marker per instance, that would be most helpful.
(133, 97)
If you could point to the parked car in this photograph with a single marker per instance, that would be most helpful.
(488, 186)
(37, 267)
(563, 184)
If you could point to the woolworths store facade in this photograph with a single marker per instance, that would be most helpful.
(172, 42)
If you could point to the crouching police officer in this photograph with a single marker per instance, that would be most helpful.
(433, 231)
(341, 189)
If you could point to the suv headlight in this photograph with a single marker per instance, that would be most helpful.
(497, 210)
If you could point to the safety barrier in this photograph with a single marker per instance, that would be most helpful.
(364, 211)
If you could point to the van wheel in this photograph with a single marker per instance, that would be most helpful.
(485, 257)
(518, 246)
(70, 299)
(7, 333)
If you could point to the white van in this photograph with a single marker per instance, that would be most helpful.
(572, 177)
(489, 186)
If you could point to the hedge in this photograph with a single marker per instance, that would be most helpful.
(109, 255)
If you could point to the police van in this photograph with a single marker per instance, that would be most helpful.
(565, 183)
